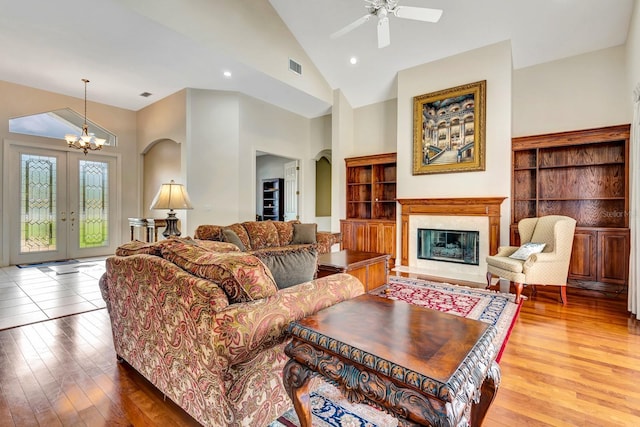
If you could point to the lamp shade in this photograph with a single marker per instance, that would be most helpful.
(171, 196)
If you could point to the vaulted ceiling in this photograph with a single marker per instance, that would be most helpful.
(127, 47)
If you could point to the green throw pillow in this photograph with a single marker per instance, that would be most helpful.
(230, 236)
(304, 233)
(292, 267)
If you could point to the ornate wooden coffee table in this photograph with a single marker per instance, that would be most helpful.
(422, 366)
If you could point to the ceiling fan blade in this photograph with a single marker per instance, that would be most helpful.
(418, 13)
(384, 36)
(355, 24)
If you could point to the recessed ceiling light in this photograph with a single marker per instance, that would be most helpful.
(227, 74)
(353, 60)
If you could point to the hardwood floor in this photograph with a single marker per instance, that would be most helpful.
(573, 365)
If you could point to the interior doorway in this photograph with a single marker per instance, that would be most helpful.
(271, 166)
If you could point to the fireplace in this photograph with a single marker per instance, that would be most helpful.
(481, 214)
(459, 246)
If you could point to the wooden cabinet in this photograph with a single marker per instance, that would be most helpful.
(369, 236)
(370, 225)
(584, 175)
(273, 199)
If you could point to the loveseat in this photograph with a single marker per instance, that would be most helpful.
(257, 236)
(206, 324)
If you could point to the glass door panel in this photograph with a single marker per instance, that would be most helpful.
(91, 180)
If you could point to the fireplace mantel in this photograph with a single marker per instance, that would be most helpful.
(461, 206)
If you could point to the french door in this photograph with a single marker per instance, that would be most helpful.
(62, 205)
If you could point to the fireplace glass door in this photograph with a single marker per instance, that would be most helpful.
(457, 246)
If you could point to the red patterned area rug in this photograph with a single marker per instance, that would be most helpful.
(330, 409)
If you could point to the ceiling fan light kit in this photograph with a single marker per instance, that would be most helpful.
(381, 10)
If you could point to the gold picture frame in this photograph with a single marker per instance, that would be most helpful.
(449, 130)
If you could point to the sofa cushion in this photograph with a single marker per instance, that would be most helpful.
(304, 233)
(149, 248)
(232, 238)
(242, 235)
(214, 246)
(242, 276)
(285, 231)
(263, 234)
(291, 267)
(209, 232)
(138, 247)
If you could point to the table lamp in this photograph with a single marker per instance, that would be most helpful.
(171, 196)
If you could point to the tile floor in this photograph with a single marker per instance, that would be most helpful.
(34, 294)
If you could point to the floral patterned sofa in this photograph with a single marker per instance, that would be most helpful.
(256, 236)
(206, 324)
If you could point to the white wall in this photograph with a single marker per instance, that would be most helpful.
(580, 92)
(633, 53)
(493, 64)
(264, 127)
(342, 146)
(376, 128)
(162, 163)
(212, 158)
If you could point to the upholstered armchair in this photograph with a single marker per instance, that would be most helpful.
(543, 258)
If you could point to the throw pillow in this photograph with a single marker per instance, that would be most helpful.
(291, 267)
(527, 249)
(263, 234)
(230, 236)
(242, 234)
(285, 231)
(243, 277)
(137, 247)
(304, 233)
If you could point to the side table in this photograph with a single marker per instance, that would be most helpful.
(150, 226)
(369, 267)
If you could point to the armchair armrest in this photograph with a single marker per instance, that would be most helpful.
(242, 330)
(506, 250)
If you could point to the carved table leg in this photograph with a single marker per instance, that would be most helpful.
(296, 381)
(488, 392)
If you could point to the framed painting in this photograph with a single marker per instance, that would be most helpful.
(449, 130)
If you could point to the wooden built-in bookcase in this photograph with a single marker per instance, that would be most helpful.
(370, 223)
(585, 175)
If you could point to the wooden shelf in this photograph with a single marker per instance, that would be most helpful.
(273, 199)
(371, 205)
(371, 180)
(584, 175)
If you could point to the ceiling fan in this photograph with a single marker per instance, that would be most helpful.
(381, 9)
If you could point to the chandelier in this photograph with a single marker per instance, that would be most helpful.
(86, 141)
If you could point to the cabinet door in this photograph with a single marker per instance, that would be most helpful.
(583, 256)
(382, 239)
(374, 237)
(613, 256)
(354, 235)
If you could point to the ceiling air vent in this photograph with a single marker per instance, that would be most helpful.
(295, 67)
